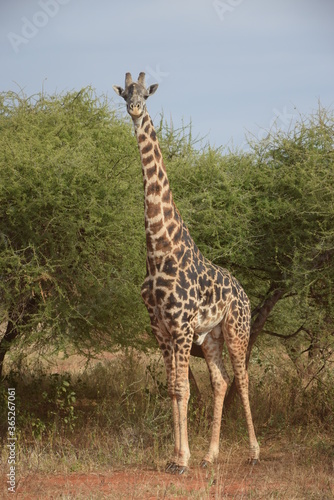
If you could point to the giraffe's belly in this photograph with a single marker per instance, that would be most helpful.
(205, 325)
(199, 336)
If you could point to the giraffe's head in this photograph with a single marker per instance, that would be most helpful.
(135, 95)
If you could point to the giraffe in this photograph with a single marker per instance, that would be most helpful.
(188, 298)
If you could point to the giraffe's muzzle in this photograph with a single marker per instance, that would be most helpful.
(135, 109)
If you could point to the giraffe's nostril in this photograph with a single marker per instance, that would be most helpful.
(135, 108)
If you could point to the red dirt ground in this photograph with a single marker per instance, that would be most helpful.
(272, 478)
(133, 483)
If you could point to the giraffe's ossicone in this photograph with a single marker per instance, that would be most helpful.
(188, 298)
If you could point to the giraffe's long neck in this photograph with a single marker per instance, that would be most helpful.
(163, 224)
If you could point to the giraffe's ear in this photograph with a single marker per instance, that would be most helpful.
(152, 89)
(118, 90)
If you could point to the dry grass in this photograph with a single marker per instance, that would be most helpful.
(106, 433)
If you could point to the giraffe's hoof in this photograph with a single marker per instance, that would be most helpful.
(173, 468)
(181, 469)
(204, 464)
(170, 467)
(253, 461)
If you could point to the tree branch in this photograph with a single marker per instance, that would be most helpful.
(284, 337)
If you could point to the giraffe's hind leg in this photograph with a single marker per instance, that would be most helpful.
(237, 342)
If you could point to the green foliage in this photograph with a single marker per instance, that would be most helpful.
(267, 213)
(72, 254)
(63, 399)
(72, 244)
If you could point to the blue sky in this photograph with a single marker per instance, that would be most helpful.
(229, 66)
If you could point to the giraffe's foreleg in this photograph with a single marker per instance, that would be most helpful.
(167, 349)
(171, 379)
(178, 390)
(182, 397)
(180, 393)
(175, 348)
(212, 348)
